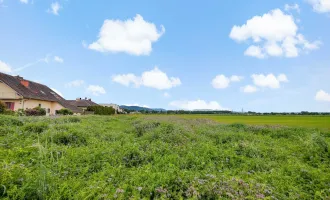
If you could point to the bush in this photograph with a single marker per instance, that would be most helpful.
(64, 111)
(20, 112)
(37, 111)
(100, 110)
(38, 127)
(70, 138)
(2, 107)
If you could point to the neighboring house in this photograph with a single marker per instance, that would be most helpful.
(18, 93)
(114, 106)
(82, 103)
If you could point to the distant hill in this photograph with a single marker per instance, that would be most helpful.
(139, 108)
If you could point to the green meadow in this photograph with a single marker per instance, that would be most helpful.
(164, 157)
(282, 120)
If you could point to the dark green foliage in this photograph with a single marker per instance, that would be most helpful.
(69, 138)
(131, 157)
(10, 121)
(38, 127)
(64, 111)
(37, 111)
(2, 107)
(101, 110)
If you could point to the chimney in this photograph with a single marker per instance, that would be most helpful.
(77, 99)
(85, 98)
(89, 99)
(25, 83)
(19, 77)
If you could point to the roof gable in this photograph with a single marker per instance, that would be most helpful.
(32, 90)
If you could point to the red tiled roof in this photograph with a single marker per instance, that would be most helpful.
(32, 90)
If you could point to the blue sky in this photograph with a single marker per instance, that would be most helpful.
(234, 54)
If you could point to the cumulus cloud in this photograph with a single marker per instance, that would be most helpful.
(5, 68)
(75, 83)
(58, 59)
(197, 105)
(320, 6)
(133, 36)
(222, 82)
(154, 78)
(249, 89)
(295, 7)
(58, 92)
(272, 34)
(321, 95)
(54, 8)
(269, 80)
(254, 51)
(95, 90)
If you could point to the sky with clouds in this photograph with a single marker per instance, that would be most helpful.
(252, 55)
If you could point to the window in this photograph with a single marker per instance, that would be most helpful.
(40, 105)
(48, 110)
(10, 105)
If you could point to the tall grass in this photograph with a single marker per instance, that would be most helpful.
(129, 157)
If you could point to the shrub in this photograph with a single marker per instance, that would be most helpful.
(64, 111)
(37, 111)
(70, 138)
(36, 127)
(100, 110)
(20, 112)
(2, 107)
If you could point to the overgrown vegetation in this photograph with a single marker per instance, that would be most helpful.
(64, 111)
(159, 157)
(37, 111)
(101, 110)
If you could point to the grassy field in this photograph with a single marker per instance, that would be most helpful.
(284, 120)
(160, 157)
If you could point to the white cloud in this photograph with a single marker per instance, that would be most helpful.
(58, 59)
(273, 34)
(24, 1)
(154, 78)
(222, 82)
(54, 8)
(269, 80)
(95, 90)
(236, 78)
(320, 6)
(249, 89)
(75, 83)
(136, 104)
(131, 36)
(58, 92)
(127, 80)
(197, 105)
(167, 95)
(5, 68)
(321, 95)
(295, 7)
(254, 51)
(282, 78)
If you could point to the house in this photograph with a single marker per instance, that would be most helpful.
(114, 106)
(82, 103)
(19, 93)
